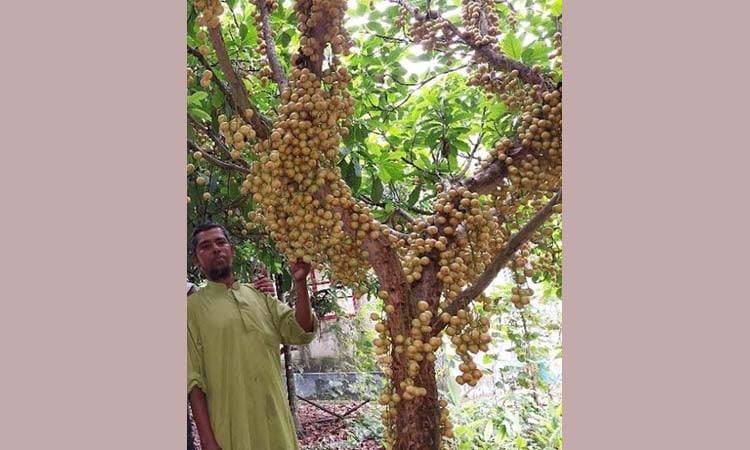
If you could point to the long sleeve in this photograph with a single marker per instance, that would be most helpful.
(195, 372)
(284, 320)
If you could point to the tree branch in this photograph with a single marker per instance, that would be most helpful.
(490, 55)
(403, 214)
(207, 65)
(383, 258)
(314, 62)
(215, 161)
(391, 38)
(498, 261)
(240, 97)
(483, 23)
(502, 62)
(273, 60)
(487, 180)
(208, 132)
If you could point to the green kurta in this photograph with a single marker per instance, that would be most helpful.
(233, 357)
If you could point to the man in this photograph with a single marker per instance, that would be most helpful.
(190, 437)
(234, 333)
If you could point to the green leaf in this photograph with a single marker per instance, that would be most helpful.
(285, 39)
(217, 99)
(536, 53)
(511, 46)
(461, 145)
(354, 178)
(376, 26)
(377, 189)
(196, 98)
(199, 114)
(556, 8)
(414, 196)
(391, 170)
(243, 31)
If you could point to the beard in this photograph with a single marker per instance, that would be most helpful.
(219, 273)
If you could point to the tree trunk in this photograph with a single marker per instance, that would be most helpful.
(418, 420)
(305, 355)
(291, 389)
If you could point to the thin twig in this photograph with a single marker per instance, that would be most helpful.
(215, 161)
(340, 417)
(273, 60)
(208, 132)
(431, 175)
(467, 166)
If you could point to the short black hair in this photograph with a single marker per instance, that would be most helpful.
(204, 227)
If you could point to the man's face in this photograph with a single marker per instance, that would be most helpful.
(214, 254)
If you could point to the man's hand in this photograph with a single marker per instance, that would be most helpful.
(265, 285)
(300, 270)
(303, 313)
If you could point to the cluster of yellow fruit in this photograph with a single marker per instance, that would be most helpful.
(556, 54)
(210, 12)
(521, 269)
(433, 34)
(236, 134)
(468, 331)
(411, 351)
(544, 238)
(476, 236)
(201, 180)
(403, 18)
(321, 22)
(206, 78)
(463, 234)
(481, 22)
(534, 169)
(306, 206)
(204, 49)
(237, 221)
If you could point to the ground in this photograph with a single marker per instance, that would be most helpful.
(323, 431)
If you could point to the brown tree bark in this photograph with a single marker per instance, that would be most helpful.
(291, 389)
(418, 420)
